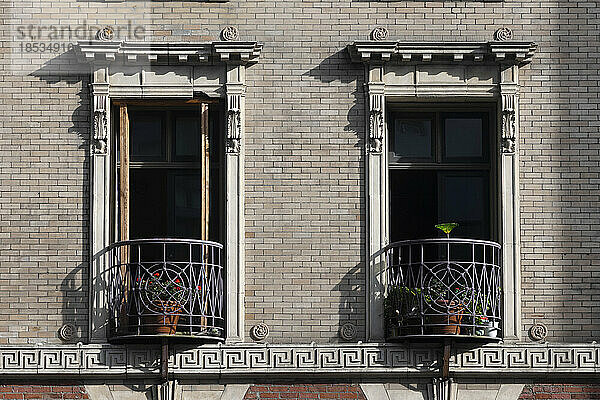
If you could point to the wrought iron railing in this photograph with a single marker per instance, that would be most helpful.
(443, 287)
(165, 287)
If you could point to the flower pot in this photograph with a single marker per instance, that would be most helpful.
(447, 324)
(162, 319)
(492, 329)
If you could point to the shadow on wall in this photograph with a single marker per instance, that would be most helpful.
(75, 300)
(352, 303)
(337, 69)
(64, 69)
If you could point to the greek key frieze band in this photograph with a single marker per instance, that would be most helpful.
(108, 360)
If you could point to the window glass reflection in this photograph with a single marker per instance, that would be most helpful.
(188, 203)
(412, 138)
(187, 139)
(465, 200)
(463, 138)
(146, 136)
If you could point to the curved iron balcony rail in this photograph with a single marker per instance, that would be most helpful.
(443, 287)
(166, 287)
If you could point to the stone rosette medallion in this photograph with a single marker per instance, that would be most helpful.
(503, 34)
(230, 33)
(348, 331)
(259, 332)
(538, 332)
(106, 34)
(379, 33)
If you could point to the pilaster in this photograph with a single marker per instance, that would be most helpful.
(235, 91)
(376, 155)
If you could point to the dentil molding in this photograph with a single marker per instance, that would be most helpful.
(509, 52)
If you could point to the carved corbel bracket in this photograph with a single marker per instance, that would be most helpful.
(234, 123)
(441, 389)
(376, 123)
(100, 125)
(509, 123)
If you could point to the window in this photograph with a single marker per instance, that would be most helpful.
(441, 169)
(168, 161)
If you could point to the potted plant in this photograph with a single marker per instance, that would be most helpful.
(164, 299)
(402, 311)
(446, 307)
(483, 323)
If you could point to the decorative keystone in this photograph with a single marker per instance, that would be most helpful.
(230, 33)
(259, 331)
(379, 33)
(503, 34)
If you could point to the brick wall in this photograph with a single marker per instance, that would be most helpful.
(341, 391)
(305, 202)
(549, 391)
(42, 392)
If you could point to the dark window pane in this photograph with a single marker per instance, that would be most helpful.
(146, 136)
(464, 138)
(412, 139)
(464, 199)
(413, 200)
(187, 138)
(187, 193)
(148, 210)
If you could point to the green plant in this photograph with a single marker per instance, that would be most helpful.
(447, 227)
(482, 310)
(401, 306)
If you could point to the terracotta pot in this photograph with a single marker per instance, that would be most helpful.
(447, 324)
(164, 323)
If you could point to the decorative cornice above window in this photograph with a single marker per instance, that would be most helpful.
(495, 51)
(97, 50)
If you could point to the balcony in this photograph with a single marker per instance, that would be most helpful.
(169, 288)
(441, 287)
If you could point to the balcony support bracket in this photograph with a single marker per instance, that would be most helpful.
(441, 389)
(164, 360)
(167, 390)
(446, 360)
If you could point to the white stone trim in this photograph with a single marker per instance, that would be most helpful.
(373, 359)
(376, 192)
(446, 52)
(234, 207)
(183, 52)
(99, 392)
(374, 391)
(456, 72)
(129, 70)
(510, 391)
(234, 392)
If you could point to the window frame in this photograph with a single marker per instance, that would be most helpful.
(215, 159)
(437, 110)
